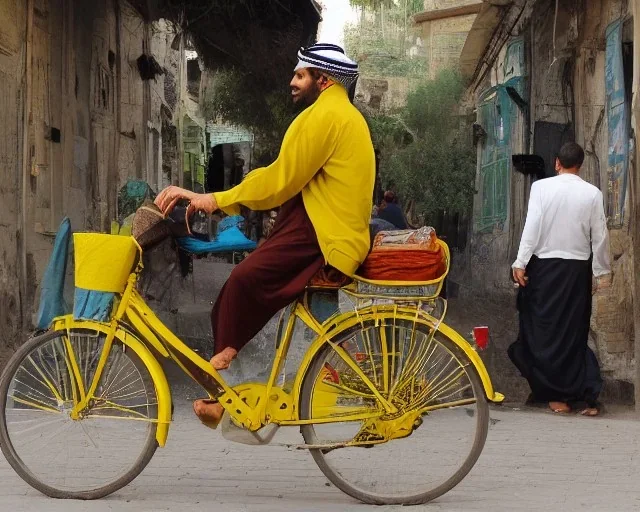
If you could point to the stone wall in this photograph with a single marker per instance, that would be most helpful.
(443, 40)
(384, 94)
(12, 54)
(91, 125)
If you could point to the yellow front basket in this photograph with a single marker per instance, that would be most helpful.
(104, 262)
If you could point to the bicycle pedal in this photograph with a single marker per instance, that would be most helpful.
(231, 431)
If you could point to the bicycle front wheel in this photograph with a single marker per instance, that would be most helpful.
(431, 440)
(96, 453)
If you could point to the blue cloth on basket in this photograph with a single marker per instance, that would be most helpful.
(231, 239)
(92, 305)
(52, 303)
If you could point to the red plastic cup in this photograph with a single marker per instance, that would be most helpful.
(481, 336)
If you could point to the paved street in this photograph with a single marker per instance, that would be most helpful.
(533, 461)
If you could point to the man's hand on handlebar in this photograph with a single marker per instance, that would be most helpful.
(168, 198)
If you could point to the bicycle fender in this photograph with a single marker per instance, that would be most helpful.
(163, 391)
(464, 345)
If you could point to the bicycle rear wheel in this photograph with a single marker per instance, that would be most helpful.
(85, 458)
(416, 454)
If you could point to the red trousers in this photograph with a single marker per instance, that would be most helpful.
(269, 279)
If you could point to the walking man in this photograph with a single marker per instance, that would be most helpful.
(564, 242)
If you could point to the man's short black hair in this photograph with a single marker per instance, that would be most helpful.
(571, 155)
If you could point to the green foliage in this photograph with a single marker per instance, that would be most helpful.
(436, 175)
(381, 39)
(382, 58)
(371, 4)
(426, 154)
(412, 5)
(430, 106)
(386, 131)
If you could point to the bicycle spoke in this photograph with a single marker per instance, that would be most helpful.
(43, 440)
(115, 407)
(115, 378)
(33, 389)
(124, 387)
(47, 430)
(55, 347)
(37, 424)
(84, 428)
(33, 403)
(45, 382)
(440, 417)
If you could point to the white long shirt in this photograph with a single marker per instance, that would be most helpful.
(565, 220)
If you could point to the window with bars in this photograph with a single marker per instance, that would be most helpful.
(497, 113)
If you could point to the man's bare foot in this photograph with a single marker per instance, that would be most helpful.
(222, 360)
(559, 407)
(590, 411)
(208, 411)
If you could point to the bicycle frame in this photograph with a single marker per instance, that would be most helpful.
(136, 325)
(251, 405)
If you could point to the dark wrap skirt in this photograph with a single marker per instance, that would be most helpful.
(551, 351)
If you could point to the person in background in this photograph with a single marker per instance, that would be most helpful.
(391, 212)
(564, 241)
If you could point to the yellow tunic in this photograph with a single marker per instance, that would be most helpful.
(327, 154)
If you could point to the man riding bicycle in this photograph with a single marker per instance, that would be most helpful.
(323, 178)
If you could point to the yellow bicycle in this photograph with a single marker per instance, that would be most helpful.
(391, 402)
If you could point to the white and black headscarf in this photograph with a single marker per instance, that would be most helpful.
(330, 59)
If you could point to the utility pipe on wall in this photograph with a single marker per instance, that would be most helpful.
(26, 161)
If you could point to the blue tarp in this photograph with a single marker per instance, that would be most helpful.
(87, 305)
(52, 303)
(229, 240)
(92, 305)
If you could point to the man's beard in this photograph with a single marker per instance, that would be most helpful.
(307, 98)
